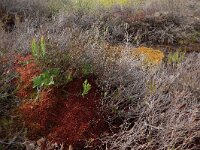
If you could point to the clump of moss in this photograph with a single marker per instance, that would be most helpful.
(149, 55)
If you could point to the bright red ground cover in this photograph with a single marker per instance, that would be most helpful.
(27, 70)
(61, 115)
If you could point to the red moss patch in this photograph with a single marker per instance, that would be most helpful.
(27, 70)
(62, 115)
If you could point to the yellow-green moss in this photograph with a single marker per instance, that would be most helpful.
(109, 3)
(90, 5)
(151, 56)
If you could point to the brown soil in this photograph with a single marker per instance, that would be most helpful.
(61, 115)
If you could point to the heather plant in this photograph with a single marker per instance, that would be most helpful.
(8, 102)
(160, 108)
(7, 88)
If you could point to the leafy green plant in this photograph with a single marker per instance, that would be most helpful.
(45, 79)
(38, 50)
(176, 57)
(86, 87)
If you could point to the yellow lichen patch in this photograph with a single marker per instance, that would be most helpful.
(149, 55)
(109, 3)
(146, 58)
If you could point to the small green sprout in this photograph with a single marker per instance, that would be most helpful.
(69, 77)
(38, 51)
(86, 88)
